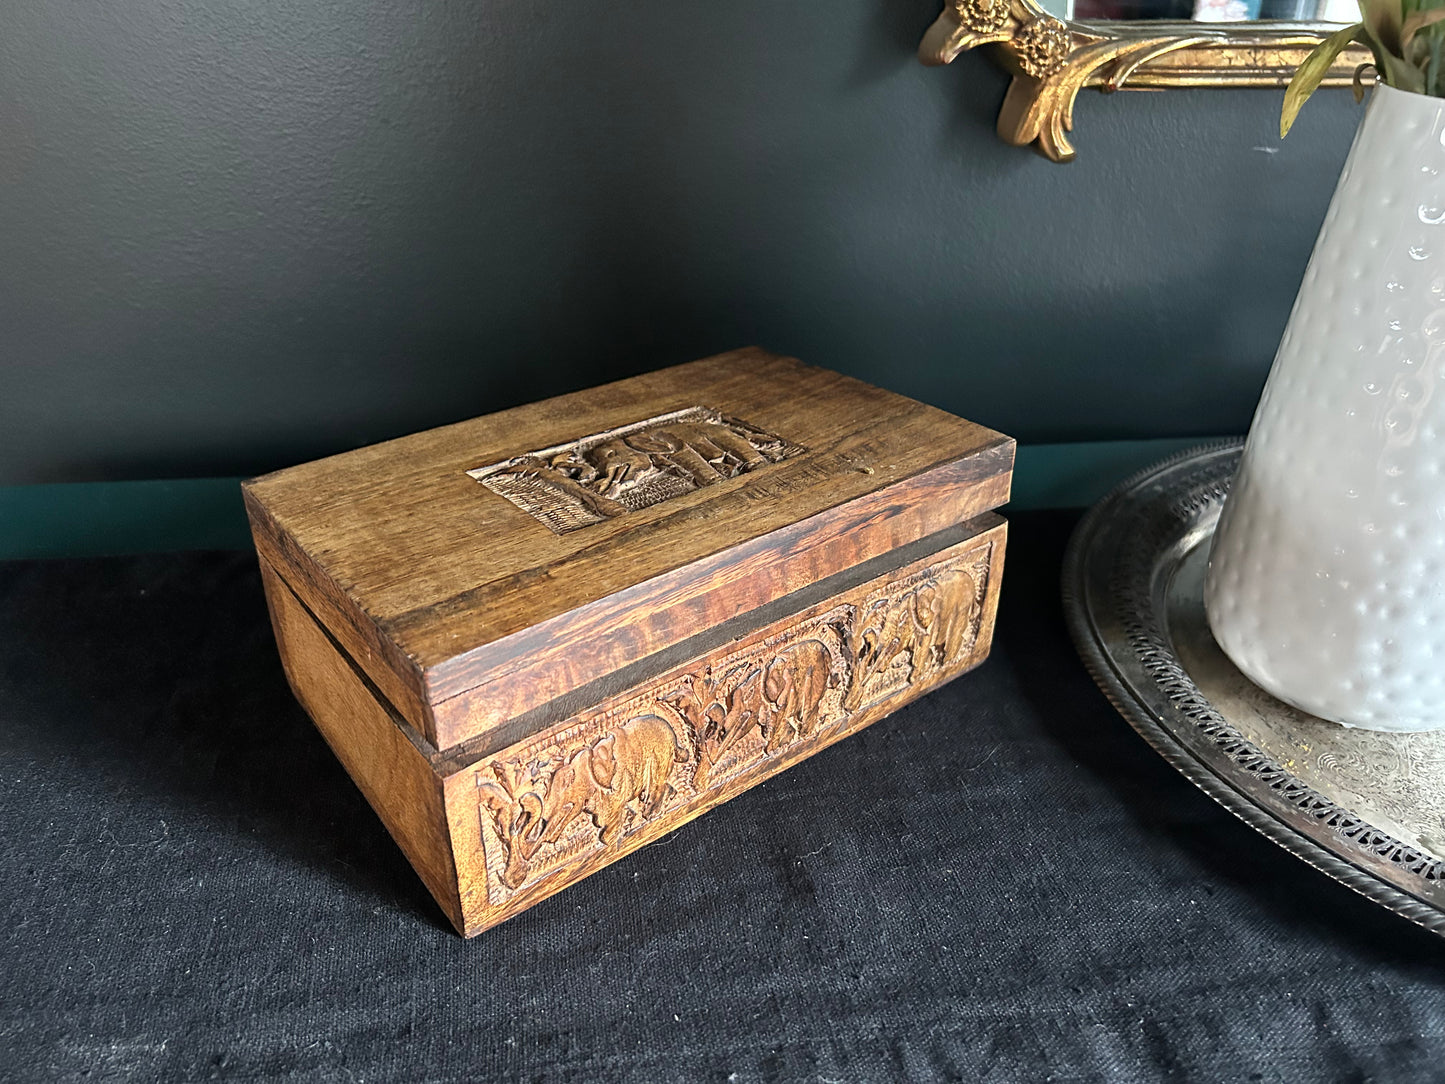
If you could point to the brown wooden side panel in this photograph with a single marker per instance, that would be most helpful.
(391, 772)
(551, 809)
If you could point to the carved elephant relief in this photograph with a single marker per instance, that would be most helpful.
(629, 764)
(699, 448)
(924, 630)
(794, 684)
(614, 463)
(944, 611)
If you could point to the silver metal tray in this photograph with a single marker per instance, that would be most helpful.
(1365, 807)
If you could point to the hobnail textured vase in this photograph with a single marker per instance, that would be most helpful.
(1326, 583)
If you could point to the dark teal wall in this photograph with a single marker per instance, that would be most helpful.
(237, 235)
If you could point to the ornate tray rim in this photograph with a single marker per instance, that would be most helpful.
(1317, 838)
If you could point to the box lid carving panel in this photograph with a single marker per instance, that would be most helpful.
(597, 477)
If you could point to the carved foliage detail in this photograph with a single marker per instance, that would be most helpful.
(1052, 61)
(607, 474)
(751, 705)
(577, 791)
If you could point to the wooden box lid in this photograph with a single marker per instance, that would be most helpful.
(482, 573)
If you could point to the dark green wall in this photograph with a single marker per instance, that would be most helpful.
(237, 235)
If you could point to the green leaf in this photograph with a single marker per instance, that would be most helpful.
(1384, 26)
(1418, 22)
(1436, 62)
(1310, 73)
(1385, 20)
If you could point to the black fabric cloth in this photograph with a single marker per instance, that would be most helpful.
(1001, 882)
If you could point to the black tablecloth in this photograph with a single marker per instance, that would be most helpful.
(1001, 882)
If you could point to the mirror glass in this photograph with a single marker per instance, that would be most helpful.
(1206, 11)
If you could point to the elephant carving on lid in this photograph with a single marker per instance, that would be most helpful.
(706, 451)
(598, 477)
(615, 463)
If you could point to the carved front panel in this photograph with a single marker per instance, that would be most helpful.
(606, 474)
(571, 795)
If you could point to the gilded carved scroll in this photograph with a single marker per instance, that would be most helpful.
(572, 794)
(1052, 60)
(597, 477)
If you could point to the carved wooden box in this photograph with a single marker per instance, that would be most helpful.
(543, 638)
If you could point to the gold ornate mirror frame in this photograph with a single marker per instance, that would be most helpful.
(1053, 59)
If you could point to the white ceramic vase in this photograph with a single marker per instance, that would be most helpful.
(1326, 582)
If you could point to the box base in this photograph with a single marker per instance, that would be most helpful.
(492, 832)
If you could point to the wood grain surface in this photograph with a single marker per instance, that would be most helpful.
(466, 610)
